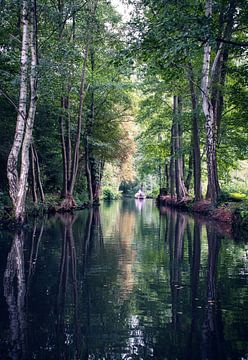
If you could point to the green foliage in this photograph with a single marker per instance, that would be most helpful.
(238, 196)
(110, 194)
(153, 193)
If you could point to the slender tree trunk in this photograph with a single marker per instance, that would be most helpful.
(34, 184)
(166, 174)
(18, 183)
(68, 141)
(82, 92)
(64, 153)
(88, 172)
(39, 183)
(180, 186)
(96, 180)
(93, 185)
(12, 169)
(210, 125)
(190, 171)
(195, 136)
(219, 76)
(172, 161)
(22, 188)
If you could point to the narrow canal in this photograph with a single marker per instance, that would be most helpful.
(123, 281)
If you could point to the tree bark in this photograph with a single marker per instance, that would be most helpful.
(82, 93)
(172, 157)
(166, 175)
(22, 188)
(39, 183)
(88, 172)
(195, 136)
(219, 76)
(210, 125)
(179, 176)
(34, 184)
(190, 171)
(64, 153)
(18, 182)
(12, 170)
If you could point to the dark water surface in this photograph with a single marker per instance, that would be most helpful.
(123, 282)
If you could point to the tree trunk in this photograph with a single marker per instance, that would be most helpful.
(18, 182)
(166, 175)
(172, 168)
(219, 76)
(12, 170)
(190, 172)
(180, 186)
(96, 180)
(88, 172)
(64, 153)
(210, 125)
(39, 183)
(79, 124)
(34, 184)
(195, 136)
(22, 188)
(93, 185)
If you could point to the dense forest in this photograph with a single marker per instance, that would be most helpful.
(90, 100)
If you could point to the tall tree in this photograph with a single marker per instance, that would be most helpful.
(25, 119)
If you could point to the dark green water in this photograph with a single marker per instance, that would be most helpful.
(123, 282)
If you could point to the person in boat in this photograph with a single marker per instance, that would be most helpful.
(140, 194)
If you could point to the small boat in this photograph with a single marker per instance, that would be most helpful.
(140, 195)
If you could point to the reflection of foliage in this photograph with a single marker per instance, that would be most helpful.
(141, 285)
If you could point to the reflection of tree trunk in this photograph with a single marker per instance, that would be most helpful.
(33, 254)
(68, 264)
(93, 234)
(176, 231)
(68, 267)
(194, 277)
(68, 274)
(212, 336)
(14, 292)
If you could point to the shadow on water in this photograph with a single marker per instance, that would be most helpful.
(123, 282)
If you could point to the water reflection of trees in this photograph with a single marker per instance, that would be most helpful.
(205, 337)
(71, 264)
(176, 231)
(117, 298)
(16, 290)
(63, 336)
(212, 329)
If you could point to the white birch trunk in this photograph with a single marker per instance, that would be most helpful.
(23, 180)
(18, 182)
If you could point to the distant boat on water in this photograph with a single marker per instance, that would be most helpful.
(140, 194)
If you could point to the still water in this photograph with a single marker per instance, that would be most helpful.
(123, 281)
